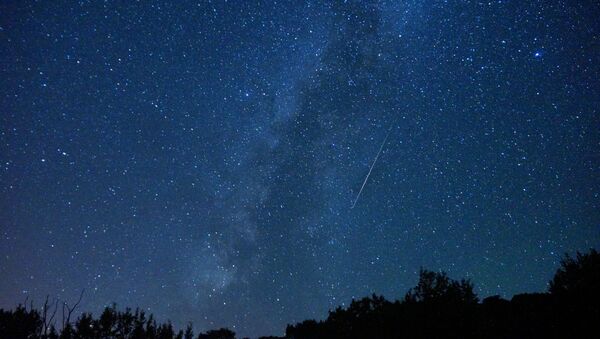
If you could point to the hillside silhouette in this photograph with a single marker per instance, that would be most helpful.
(438, 307)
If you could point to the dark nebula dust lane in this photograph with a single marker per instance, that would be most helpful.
(198, 159)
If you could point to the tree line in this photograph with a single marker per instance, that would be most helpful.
(437, 307)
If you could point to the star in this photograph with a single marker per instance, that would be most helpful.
(216, 149)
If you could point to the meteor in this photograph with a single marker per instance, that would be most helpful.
(371, 168)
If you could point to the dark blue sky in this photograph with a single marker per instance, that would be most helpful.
(199, 159)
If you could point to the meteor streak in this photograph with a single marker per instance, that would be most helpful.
(371, 168)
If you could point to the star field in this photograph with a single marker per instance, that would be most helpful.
(199, 159)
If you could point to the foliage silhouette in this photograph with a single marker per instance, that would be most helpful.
(222, 333)
(437, 307)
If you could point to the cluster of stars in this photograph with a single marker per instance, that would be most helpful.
(199, 160)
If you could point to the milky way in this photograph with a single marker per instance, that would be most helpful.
(198, 159)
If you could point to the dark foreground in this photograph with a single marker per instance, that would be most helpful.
(438, 307)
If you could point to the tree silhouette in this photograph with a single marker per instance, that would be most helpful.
(579, 276)
(20, 323)
(437, 307)
(576, 291)
(189, 332)
(438, 287)
(222, 333)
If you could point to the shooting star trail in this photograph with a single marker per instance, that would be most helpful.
(371, 168)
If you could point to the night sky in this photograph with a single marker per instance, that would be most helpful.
(200, 159)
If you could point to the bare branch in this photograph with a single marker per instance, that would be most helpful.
(46, 322)
(25, 302)
(53, 313)
(71, 310)
(63, 314)
(44, 315)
